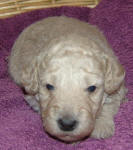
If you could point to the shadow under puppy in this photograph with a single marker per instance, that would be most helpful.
(71, 76)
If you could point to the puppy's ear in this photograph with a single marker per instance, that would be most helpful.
(114, 75)
(29, 78)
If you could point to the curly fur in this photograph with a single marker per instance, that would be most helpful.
(71, 55)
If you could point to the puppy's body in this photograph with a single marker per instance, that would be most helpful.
(72, 56)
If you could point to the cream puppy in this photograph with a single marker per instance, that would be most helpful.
(71, 77)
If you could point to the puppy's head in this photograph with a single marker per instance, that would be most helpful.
(72, 87)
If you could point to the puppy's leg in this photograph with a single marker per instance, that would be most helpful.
(33, 101)
(104, 126)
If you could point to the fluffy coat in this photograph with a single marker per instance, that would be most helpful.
(71, 56)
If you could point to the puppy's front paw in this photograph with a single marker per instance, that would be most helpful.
(103, 129)
(33, 102)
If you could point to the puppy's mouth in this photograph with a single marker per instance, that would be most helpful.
(68, 138)
(71, 138)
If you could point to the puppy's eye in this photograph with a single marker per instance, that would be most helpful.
(49, 87)
(91, 88)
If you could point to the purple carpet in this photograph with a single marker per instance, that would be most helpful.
(21, 127)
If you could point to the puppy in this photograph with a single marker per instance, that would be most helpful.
(71, 77)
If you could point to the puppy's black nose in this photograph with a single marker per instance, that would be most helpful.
(67, 124)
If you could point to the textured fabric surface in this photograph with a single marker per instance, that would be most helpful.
(21, 127)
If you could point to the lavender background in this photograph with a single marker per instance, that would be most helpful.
(21, 127)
